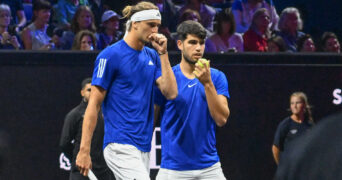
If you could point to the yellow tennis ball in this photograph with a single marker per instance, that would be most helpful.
(199, 62)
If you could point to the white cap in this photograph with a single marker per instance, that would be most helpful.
(108, 14)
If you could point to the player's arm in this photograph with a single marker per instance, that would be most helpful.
(276, 152)
(167, 81)
(218, 104)
(83, 160)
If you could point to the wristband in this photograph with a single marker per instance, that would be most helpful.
(162, 53)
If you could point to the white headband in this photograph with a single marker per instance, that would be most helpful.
(146, 15)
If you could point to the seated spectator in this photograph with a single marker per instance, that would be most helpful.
(207, 12)
(225, 39)
(330, 43)
(255, 39)
(306, 44)
(276, 44)
(110, 33)
(34, 36)
(83, 20)
(188, 14)
(66, 10)
(8, 40)
(243, 11)
(289, 25)
(17, 13)
(85, 41)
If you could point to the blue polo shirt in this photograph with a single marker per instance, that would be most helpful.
(128, 76)
(187, 128)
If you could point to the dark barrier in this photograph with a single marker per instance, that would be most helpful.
(39, 88)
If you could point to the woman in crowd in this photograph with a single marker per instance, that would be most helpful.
(330, 43)
(225, 39)
(34, 36)
(83, 20)
(306, 44)
(289, 26)
(255, 39)
(276, 44)
(207, 12)
(85, 41)
(293, 126)
(7, 40)
(243, 11)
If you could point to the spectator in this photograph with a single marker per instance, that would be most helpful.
(306, 44)
(225, 39)
(290, 24)
(34, 36)
(276, 44)
(83, 20)
(255, 39)
(330, 43)
(97, 8)
(293, 126)
(17, 13)
(243, 11)
(65, 11)
(85, 41)
(187, 14)
(8, 40)
(207, 12)
(110, 33)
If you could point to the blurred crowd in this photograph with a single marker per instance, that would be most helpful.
(232, 25)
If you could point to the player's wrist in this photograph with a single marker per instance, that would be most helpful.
(162, 52)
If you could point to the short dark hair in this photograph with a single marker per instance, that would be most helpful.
(85, 82)
(301, 40)
(325, 37)
(41, 4)
(190, 27)
(279, 41)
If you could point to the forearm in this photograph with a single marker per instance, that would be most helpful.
(167, 83)
(218, 109)
(275, 152)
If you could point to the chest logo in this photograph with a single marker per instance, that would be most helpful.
(293, 131)
(191, 85)
(150, 63)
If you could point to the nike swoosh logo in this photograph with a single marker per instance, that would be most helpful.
(190, 85)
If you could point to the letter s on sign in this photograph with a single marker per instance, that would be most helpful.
(337, 96)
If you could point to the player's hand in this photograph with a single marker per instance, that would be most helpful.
(203, 73)
(83, 162)
(159, 42)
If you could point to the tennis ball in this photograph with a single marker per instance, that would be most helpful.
(199, 62)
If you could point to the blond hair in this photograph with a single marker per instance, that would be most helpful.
(128, 11)
(307, 107)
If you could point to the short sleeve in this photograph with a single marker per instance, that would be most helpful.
(159, 98)
(280, 134)
(104, 71)
(221, 84)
